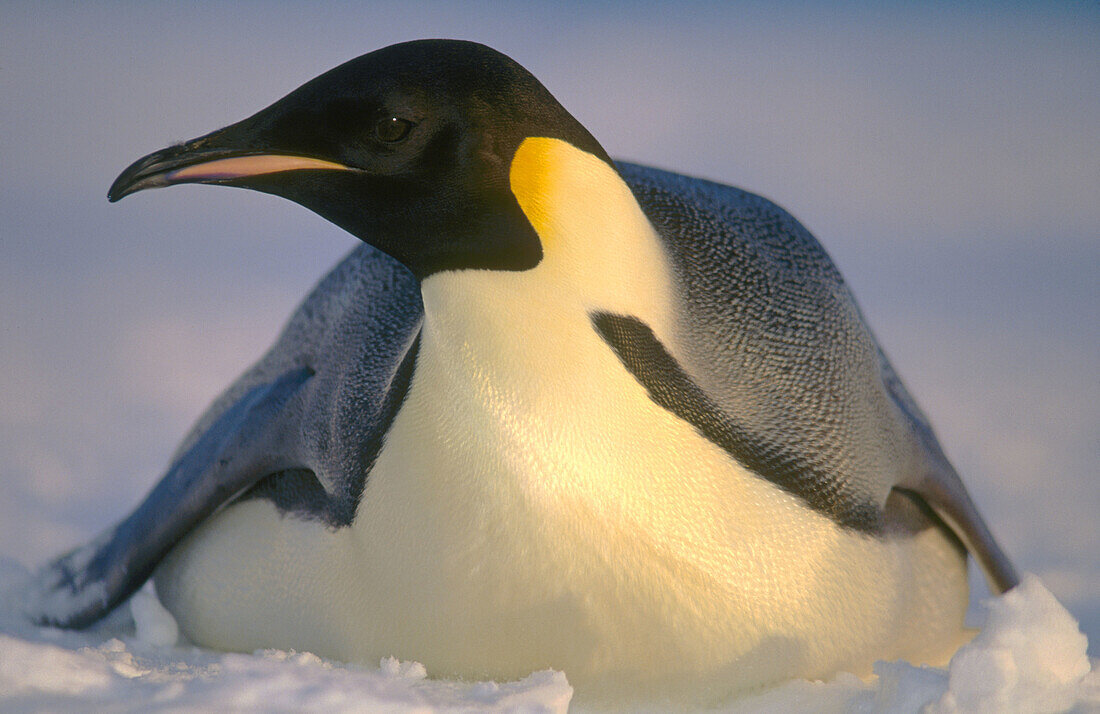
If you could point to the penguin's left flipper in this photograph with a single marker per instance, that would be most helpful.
(770, 358)
(938, 484)
(243, 445)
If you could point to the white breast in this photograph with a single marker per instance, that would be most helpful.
(533, 508)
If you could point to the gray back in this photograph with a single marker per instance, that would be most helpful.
(771, 333)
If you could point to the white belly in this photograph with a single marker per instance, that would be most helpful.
(577, 526)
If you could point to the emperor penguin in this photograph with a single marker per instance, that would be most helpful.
(555, 412)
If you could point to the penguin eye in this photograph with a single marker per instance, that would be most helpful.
(392, 129)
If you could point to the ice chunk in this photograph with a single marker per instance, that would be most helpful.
(152, 623)
(1029, 657)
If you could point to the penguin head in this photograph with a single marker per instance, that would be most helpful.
(408, 148)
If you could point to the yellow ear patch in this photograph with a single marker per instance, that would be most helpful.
(584, 213)
(535, 177)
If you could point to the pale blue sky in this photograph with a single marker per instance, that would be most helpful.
(946, 156)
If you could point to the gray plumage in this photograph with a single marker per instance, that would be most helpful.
(771, 333)
(343, 354)
(355, 331)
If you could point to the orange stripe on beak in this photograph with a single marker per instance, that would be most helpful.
(241, 166)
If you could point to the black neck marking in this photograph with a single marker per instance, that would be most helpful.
(671, 388)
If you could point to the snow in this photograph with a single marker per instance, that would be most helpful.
(1030, 657)
(152, 623)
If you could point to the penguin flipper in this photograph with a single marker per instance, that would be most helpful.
(940, 487)
(238, 449)
(945, 495)
(768, 331)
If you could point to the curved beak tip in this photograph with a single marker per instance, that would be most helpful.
(123, 187)
(146, 172)
(185, 164)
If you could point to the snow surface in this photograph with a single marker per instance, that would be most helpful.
(1030, 657)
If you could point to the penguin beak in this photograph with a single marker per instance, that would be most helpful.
(202, 161)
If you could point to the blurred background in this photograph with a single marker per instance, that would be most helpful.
(948, 157)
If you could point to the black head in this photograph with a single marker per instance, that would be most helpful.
(408, 148)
